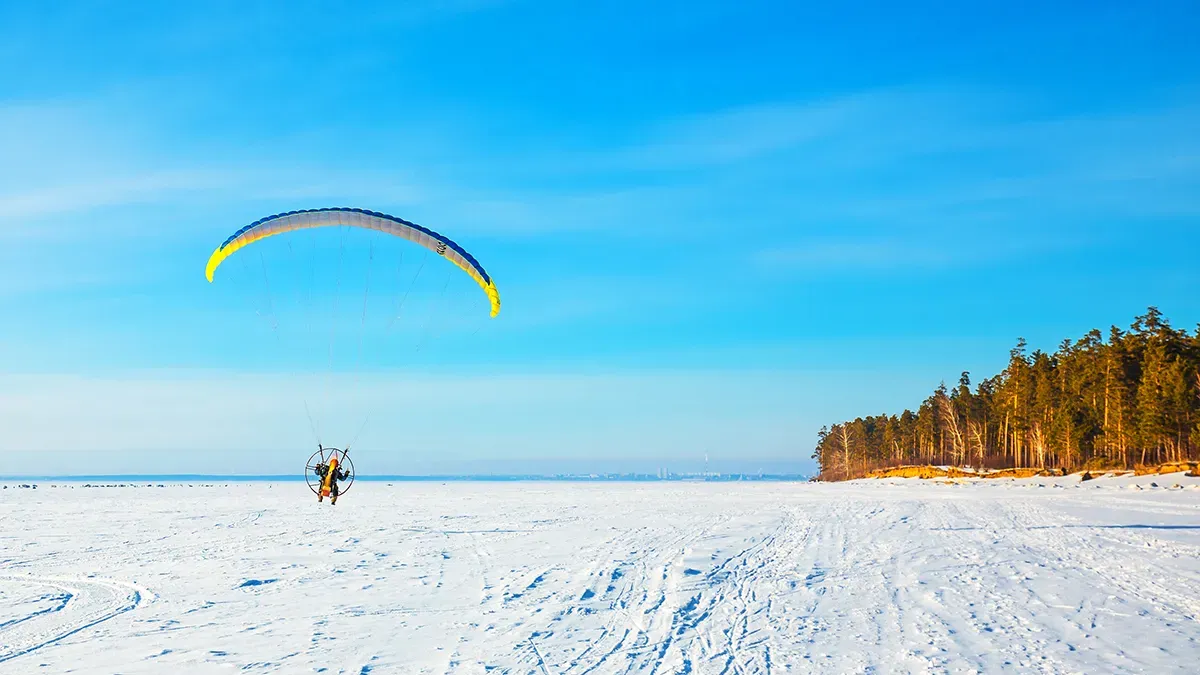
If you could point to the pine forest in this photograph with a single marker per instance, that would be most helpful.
(1101, 402)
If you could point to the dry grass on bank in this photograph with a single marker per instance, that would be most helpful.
(1170, 467)
(910, 472)
(932, 472)
(928, 472)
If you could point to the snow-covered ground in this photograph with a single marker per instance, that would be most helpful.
(1041, 575)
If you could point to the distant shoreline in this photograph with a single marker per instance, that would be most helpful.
(464, 478)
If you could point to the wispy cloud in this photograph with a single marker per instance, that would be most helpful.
(742, 133)
(106, 191)
(619, 213)
(876, 125)
(73, 159)
(856, 254)
(64, 162)
(581, 300)
(906, 126)
(927, 179)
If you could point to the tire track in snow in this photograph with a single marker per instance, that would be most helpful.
(708, 629)
(87, 603)
(631, 571)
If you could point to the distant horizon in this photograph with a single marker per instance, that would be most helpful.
(475, 470)
(290, 478)
(221, 462)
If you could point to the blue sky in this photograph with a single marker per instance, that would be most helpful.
(715, 226)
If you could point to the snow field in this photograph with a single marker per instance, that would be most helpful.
(1041, 575)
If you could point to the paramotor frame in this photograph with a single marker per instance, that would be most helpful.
(322, 456)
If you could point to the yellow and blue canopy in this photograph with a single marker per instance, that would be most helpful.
(330, 217)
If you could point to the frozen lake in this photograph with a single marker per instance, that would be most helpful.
(1040, 575)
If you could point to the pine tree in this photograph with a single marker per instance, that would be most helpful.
(1132, 399)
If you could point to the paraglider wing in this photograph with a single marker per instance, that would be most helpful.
(332, 217)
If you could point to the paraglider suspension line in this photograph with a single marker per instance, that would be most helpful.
(360, 430)
(362, 327)
(411, 284)
(270, 305)
(433, 311)
(311, 424)
(337, 295)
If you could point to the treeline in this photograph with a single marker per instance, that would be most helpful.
(1093, 404)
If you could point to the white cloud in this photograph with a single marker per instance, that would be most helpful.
(742, 133)
(870, 125)
(54, 199)
(856, 253)
(989, 132)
